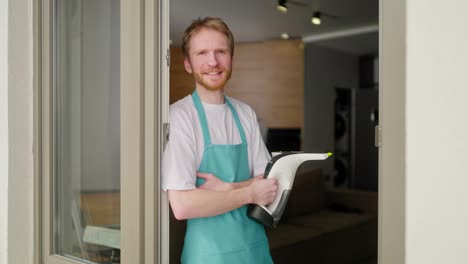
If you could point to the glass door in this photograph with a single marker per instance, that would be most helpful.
(86, 129)
(103, 89)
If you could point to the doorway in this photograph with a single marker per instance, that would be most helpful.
(306, 87)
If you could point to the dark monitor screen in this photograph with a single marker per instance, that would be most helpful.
(283, 139)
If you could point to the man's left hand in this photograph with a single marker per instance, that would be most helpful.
(213, 183)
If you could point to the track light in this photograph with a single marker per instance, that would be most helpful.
(316, 20)
(282, 6)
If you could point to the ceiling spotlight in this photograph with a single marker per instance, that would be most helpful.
(284, 36)
(316, 20)
(282, 6)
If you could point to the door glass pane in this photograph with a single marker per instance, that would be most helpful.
(87, 130)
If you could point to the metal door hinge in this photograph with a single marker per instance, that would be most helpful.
(166, 132)
(378, 136)
(168, 57)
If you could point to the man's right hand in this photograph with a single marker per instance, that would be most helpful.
(263, 191)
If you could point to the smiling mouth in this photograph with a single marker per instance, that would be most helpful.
(213, 73)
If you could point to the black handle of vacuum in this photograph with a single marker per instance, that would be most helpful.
(260, 215)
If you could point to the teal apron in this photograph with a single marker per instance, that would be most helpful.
(232, 237)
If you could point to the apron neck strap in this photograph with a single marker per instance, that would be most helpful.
(236, 118)
(204, 124)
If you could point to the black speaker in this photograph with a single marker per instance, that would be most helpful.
(343, 126)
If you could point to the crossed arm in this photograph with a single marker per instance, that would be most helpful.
(215, 197)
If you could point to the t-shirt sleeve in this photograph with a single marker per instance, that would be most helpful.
(260, 154)
(179, 157)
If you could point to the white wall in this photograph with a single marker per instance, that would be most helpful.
(437, 132)
(20, 127)
(3, 130)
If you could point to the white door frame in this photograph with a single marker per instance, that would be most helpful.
(392, 74)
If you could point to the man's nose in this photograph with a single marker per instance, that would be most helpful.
(212, 59)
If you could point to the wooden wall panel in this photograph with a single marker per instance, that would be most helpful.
(181, 83)
(269, 76)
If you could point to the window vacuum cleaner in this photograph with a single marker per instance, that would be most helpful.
(283, 167)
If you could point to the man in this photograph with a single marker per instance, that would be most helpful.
(215, 149)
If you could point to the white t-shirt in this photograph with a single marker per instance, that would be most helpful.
(184, 151)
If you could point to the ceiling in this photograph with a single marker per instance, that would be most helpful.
(258, 20)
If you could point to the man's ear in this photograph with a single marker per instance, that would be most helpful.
(187, 65)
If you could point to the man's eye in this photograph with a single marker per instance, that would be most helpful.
(201, 53)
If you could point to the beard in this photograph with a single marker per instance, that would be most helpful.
(212, 86)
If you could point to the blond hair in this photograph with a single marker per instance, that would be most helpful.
(209, 23)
